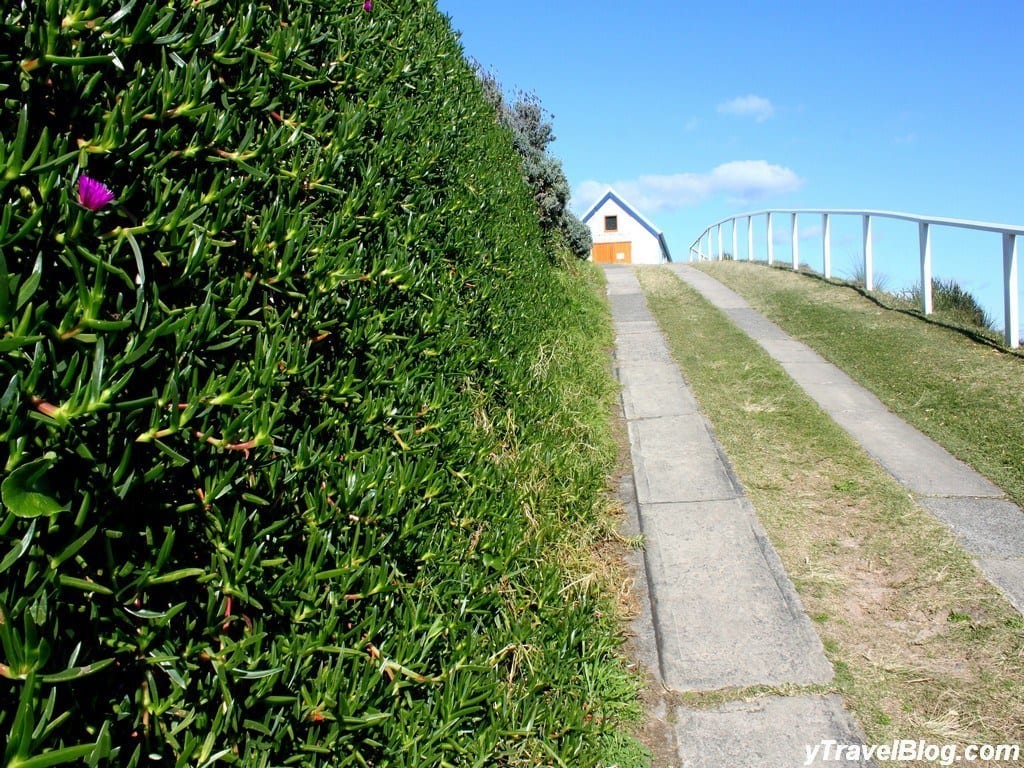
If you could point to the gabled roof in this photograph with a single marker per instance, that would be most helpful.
(611, 194)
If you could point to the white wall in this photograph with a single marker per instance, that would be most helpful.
(645, 250)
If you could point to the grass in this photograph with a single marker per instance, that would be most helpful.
(964, 395)
(923, 646)
(578, 439)
(858, 277)
(951, 301)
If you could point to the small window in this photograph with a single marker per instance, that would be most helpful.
(611, 223)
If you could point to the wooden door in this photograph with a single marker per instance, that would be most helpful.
(613, 253)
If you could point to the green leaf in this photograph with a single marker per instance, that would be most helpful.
(55, 757)
(178, 575)
(28, 288)
(18, 549)
(25, 493)
(86, 586)
(13, 342)
(74, 673)
(256, 674)
(13, 165)
(78, 61)
(5, 288)
(72, 548)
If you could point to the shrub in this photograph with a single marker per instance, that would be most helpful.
(532, 132)
(954, 302)
(577, 236)
(256, 411)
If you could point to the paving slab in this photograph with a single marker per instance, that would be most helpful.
(772, 732)
(644, 347)
(675, 459)
(644, 642)
(987, 527)
(727, 613)
(1007, 573)
(655, 391)
(639, 327)
(631, 308)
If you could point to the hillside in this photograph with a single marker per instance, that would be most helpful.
(290, 471)
(961, 392)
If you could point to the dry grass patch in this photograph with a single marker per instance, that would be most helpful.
(923, 646)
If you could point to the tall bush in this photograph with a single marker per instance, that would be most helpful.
(254, 507)
(532, 132)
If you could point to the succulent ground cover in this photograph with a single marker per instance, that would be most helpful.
(288, 459)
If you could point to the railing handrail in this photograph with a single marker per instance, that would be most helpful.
(1009, 232)
(987, 226)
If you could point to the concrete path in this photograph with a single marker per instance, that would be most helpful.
(988, 526)
(720, 612)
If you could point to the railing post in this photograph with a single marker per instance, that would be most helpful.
(795, 244)
(869, 280)
(1011, 286)
(750, 238)
(925, 238)
(1011, 301)
(826, 246)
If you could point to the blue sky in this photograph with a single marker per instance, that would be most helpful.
(695, 112)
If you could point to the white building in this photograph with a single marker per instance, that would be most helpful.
(621, 235)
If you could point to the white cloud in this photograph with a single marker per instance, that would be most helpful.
(757, 107)
(741, 181)
(586, 193)
(752, 179)
(810, 231)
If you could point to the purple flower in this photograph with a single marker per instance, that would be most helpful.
(93, 194)
(368, 5)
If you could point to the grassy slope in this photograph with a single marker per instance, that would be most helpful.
(563, 456)
(965, 395)
(923, 647)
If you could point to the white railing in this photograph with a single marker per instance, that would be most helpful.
(1009, 232)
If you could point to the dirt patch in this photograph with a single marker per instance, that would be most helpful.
(658, 733)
